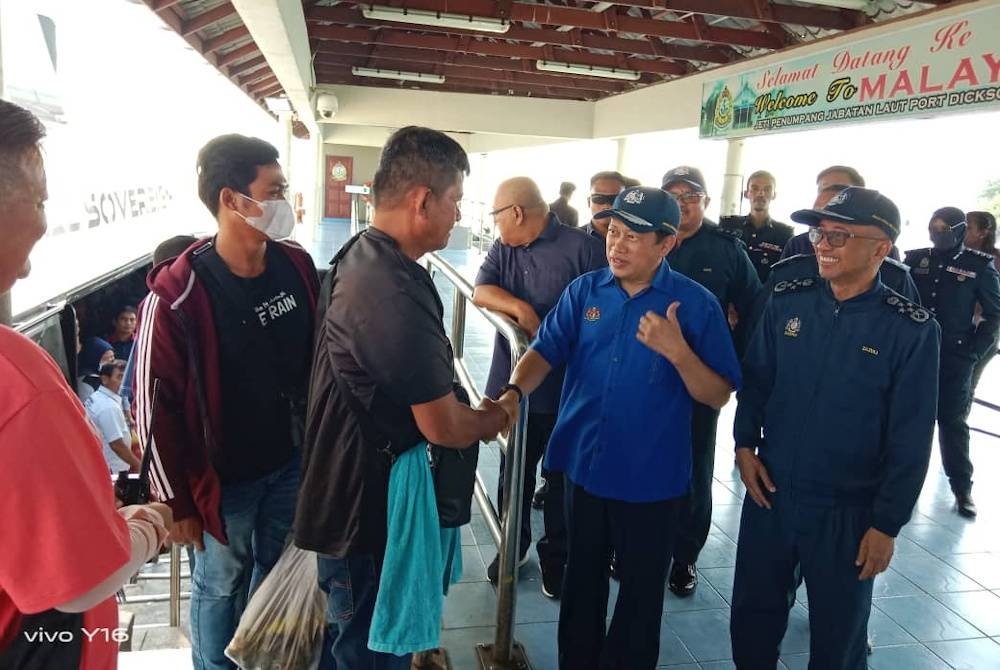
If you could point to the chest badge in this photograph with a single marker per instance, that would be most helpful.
(592, 314)
(872, 351)
(793, 327)
(925, 262)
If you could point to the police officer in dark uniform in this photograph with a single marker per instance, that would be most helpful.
(833, 437)
(719, 262)
(951, 279)
(764, 237)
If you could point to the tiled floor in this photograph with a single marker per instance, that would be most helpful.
(938, 606)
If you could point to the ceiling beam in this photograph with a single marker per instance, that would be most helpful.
(205, 19)
(247, 66)
(447, 43)
(352, 16)
(608, 20)
(263, 84)
(816, 17)
(228, 37)
(236, 54)
(159, 5)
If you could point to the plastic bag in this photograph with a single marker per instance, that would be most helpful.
(283, 624)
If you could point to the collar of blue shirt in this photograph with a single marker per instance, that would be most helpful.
(111, 394)
(661, 280)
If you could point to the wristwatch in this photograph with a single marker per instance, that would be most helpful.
(511, 387)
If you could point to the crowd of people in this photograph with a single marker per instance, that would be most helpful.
(274, 409)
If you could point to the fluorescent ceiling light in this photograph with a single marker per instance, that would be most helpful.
(400, 75)
(843, 4)
(588, 70)
(278, 105)
(422, 17)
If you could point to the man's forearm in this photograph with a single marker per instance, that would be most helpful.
(530, 372)
(124, 453)
(493, 297)
(703, 383)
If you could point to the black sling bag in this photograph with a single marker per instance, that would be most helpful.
(453, 470)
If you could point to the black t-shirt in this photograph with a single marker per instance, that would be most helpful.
(384, 332)
(264, 327)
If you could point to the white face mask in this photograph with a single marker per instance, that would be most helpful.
(277, 221)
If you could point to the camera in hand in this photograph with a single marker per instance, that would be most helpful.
(132, 488)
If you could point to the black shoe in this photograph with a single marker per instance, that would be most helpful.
(538, 500)
(966, 507)
(552, 579)
(683, 579)
(493, 571)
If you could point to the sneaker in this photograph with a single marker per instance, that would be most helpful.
(538, 500)
(683, 579)
(966, 507)
(552, 579)
(493, 572)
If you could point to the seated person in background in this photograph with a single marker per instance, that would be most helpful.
(123, 336)
(94, 353)
(104, 409)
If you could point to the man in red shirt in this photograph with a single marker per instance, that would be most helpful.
(65, 548)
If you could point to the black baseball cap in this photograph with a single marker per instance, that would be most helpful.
(685, 174)
(856, 205)
(645, 210)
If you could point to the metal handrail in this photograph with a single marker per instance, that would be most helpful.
(505, 529)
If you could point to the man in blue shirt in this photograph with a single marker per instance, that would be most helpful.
(833, 436)
(640, 344)
(524, 273)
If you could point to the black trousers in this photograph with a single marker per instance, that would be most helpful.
(642, 536)
(696, 519)
(954, 399)
(552, 545)
(776, 546)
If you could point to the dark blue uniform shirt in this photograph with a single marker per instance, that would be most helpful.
(840, 398)
(719, 262)
(537, 273)
(624, 428)
(764, 244)
(951, 282)
(893, 274)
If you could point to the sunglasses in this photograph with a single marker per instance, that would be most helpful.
(836, 238)
(602, 199)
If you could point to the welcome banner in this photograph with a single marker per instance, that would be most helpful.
(939, 67)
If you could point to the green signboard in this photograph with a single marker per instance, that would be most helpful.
(935, 67)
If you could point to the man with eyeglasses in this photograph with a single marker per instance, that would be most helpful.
(604, 186)
(765, 238)
(953, 280)
(833, 437)
(719, 262)
(525, 272)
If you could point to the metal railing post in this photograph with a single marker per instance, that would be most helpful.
(504, 653)
(175, 585)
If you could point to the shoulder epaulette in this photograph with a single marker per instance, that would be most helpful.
(726, 235)
(794, 285)
(906, 309)
(981, 254)
(784, 227)
(915, 252)
(791, 260)
(893, 263)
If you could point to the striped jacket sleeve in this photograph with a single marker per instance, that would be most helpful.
(160, 354)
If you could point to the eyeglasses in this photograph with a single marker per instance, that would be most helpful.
(689, 197)
(500, 210)
(602, 199)
(837, 238)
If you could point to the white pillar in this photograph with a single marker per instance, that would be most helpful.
(620, 161)
(732, 182)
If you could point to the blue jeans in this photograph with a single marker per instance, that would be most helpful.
(351, 585)
(258, 518)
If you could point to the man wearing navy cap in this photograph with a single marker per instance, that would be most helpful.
(719, 262)
(641, 343)
(952, 280)
(833, 435)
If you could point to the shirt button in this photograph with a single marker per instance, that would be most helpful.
(614, 360)
(933, 294)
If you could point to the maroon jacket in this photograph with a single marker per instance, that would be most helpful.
(176, 343)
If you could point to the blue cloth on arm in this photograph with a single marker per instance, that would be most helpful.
(421, 561)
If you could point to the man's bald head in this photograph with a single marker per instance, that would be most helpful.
(519, 211)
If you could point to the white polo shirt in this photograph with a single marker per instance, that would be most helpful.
(105, 409)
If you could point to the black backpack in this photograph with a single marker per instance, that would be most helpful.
(453, 470)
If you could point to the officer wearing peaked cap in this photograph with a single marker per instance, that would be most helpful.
(719, 262)
(833, 436)
(952, 279)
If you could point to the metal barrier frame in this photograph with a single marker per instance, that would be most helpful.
(505, 529)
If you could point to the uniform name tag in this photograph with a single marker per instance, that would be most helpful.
(959, 271)
(770, 247)
(869, 350)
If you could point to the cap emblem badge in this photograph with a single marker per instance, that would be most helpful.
(634, 197)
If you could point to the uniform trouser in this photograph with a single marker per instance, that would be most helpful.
(696, 519)
(977, 371)
(552, 546)
(642, 536)
(820, 543)
(954, 399)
